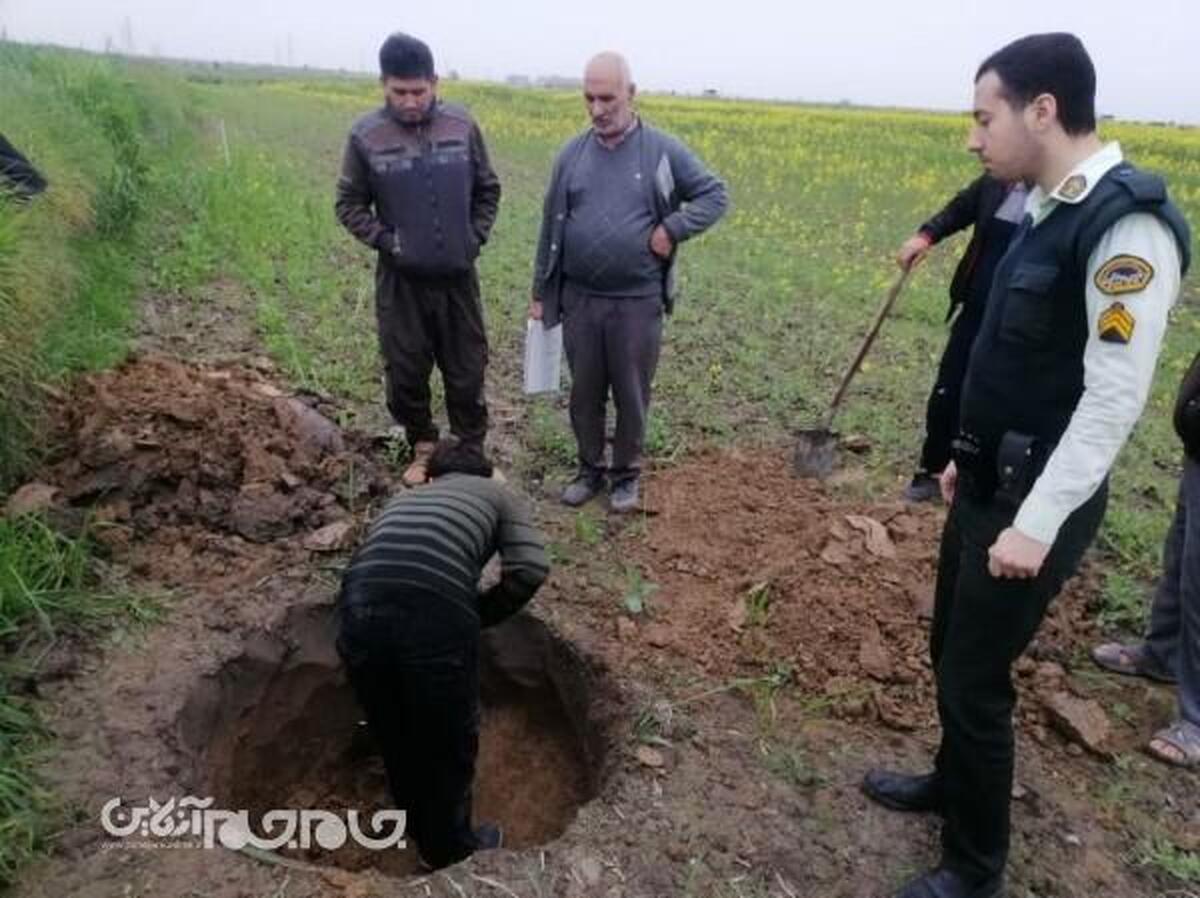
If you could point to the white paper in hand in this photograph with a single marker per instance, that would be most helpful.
(543, 357)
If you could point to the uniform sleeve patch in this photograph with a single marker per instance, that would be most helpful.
(1124, 274)
(1116, 324)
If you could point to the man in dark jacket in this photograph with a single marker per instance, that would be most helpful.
(417, 187)
(409, 616)
(994, 209)
(622, 197)
(1170, 651)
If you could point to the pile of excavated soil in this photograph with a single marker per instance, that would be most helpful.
(759, 572)
(185, 469)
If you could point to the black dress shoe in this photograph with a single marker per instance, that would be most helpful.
(904, 792)
(943, 883)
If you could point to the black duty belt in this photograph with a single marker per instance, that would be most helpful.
(1005, 469)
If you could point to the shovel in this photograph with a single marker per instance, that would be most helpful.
(816, 449)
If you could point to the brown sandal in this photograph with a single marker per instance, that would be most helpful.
(417, 471)
(1182, 744)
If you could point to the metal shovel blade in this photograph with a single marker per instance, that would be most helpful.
(816, 449)
(816, 453)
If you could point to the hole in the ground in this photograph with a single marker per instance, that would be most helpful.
(278, 728)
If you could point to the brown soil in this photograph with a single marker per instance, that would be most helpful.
(710, 745)
(784, 577)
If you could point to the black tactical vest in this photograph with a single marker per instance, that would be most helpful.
(1026, 368)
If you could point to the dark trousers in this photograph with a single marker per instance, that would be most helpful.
(981, 625)
(941, 410)
(1173, 635)
(612, 343)
(426, 321)
(413, 662)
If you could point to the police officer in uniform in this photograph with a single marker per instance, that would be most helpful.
(416, 186)
(1057, 378)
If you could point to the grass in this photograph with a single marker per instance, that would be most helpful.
(792, 765)
(1123, 604)
(637, 591)
(758, 604)
(50, 588)
(71, 263)
(1169, 859)
(108, 139)
(589, 529)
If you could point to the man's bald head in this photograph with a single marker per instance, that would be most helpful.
(608, 91)
(609, 66)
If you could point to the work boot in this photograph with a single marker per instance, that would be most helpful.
(624, 496)
(944, 883)
(904, 792)
(924, 487)
(417, 471)
(587, 483)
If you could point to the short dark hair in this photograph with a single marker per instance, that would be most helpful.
(404, 56)
(454, 457)
(1055, 64)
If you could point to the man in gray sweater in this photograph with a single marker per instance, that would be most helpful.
(622, 197)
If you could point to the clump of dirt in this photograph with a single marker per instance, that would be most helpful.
(185, 466)
(776, 575)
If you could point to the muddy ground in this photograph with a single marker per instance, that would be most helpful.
(687, 710)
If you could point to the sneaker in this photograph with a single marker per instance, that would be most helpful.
(923, 488)
(580, 490)
(624, 496)
(417, 471)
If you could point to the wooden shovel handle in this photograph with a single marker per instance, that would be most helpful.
(888, 302)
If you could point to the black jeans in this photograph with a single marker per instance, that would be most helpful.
(413, 662)
(941, 410)
(981, 625)
(426, 321)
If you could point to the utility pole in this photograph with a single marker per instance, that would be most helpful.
(127, 35)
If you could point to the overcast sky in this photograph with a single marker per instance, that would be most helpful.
(899, 52)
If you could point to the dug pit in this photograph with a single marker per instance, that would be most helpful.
(277, 727)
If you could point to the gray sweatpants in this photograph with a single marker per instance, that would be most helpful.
(1173, 637)
(612, 343)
